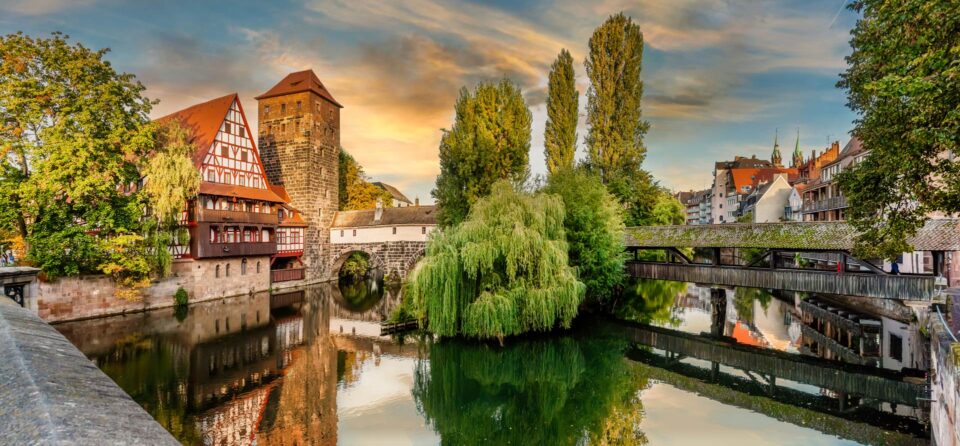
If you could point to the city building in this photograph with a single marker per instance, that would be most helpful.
(769, 200)
(399, 199)
(723, 200)
(390, 224)
(697, 206)
(822, 198)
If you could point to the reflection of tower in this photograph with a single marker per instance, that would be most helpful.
(300, 144)
(718, 317)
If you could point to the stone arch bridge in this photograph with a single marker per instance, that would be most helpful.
(395, 238)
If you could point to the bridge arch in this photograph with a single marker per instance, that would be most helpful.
(376, 260)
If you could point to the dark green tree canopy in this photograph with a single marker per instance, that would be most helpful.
(615, 135)
(71, 130)
(560, 135)
(489, 141)
(903, 81)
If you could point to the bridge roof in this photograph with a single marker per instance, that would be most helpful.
(936, 235)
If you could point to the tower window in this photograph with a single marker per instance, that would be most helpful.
(354, 232)
(266, 110)
(299, 104)
(283, 128)
(283, 108)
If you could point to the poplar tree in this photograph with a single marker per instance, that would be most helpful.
(489, 141)
(560, 135)
(615, 136)
(903, 81)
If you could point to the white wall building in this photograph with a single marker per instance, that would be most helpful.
(394, 224)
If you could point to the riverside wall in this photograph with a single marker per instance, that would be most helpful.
(944, 379)
(50, 393)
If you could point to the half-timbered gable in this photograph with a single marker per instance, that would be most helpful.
(232, 158)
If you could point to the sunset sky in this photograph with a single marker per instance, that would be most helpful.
(720, 76)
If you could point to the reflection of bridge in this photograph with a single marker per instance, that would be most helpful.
(844, 378)
(780, 241)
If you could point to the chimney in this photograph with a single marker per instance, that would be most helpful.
(378, 213)
(835, 145)
(416, 201)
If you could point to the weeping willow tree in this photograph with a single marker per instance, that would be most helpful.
(556, 391)
(651, 302)
(171, 180)
(502, 272)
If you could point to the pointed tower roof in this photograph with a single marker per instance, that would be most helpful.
(203, 122)
(796, 148)
(300, 82)
(775, 157)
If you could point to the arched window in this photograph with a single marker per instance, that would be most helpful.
(243, 267)
(228, 270)
(258, 272)
(217, 273)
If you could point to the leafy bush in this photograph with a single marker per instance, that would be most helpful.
(180, 297)
(502, 272)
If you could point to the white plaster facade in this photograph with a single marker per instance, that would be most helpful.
(381, 234)
(771, 205)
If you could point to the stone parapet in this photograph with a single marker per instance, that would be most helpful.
(50, 393)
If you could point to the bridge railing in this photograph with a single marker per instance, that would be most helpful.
(813, 281)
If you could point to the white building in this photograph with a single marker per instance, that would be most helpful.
(769, 201)
(393, 224)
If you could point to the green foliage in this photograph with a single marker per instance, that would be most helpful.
(71, 129)
(501, 272)
(356, 266)
(489, 141)
(638, 193)
(903, 80)
(127, 261)
(743, 299)
(180, 298)
(560, 135)
(668, 211)
(593, 223)
(615, 136)
(650, 301)
(746, 218)
(556, 391)
(356, 191)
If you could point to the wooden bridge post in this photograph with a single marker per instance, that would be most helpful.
(718, 304)
(716, 257)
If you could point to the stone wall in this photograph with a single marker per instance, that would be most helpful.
(85, 297)
(396, 258)
(944, 384)
(50, 393)
(300, 147)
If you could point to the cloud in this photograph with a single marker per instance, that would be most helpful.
(42, 7)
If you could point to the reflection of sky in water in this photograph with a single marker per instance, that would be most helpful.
(707, 422)
(379, 409)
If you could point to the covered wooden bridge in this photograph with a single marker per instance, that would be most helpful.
(784, 247)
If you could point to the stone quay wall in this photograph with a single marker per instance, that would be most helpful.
(944, 380)
(84, 297)
(50, 393)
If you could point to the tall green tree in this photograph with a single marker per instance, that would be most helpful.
(903, 81)
(356, 190)
(615, 128)
(560, 135)
(593, 222)
(71, 130)
(489, 141)
(502, 272)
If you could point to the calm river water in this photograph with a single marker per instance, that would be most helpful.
(309, 367)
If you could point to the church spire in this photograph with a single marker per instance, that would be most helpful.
(775, 158)
(797, 154)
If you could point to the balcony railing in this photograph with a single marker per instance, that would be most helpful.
(825, 204)
(285, 275)
(208, 250)
(224, 216)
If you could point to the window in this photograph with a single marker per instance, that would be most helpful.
(896, 347)
(213, 235)
(296, 126)
(423, 229)
(283, 128)
(341, 233)
(243, 272)
(280, 213)
(208, 202)
(240, 130)
(283, 108)
(264, 235)
(226, 127)
(258, 272)
(299, 105)
(243, 156)
(216, 274)
(224, 151)
(266, 110)
(394, 230)
(354, 232)
(211, 177)
(228, 275)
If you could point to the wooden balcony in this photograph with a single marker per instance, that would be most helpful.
(243, 249)
(224, 216)
(286, 275)
(825, 204)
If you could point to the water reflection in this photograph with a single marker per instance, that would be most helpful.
(309, 367)
(533, 391)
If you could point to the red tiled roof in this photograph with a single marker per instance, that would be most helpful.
(203, 122)
(410, 215)
(752, 177)
(229, 190)
(299, 82)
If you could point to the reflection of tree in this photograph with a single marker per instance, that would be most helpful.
(743, 302)
(360, 295)
(149, 370)
(539, 391)
(650, 301)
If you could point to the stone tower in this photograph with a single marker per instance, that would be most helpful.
(775, 157)
(299, 146)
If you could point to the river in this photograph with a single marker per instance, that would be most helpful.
(309, 367)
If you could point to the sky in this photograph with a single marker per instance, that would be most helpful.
(720, 76)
